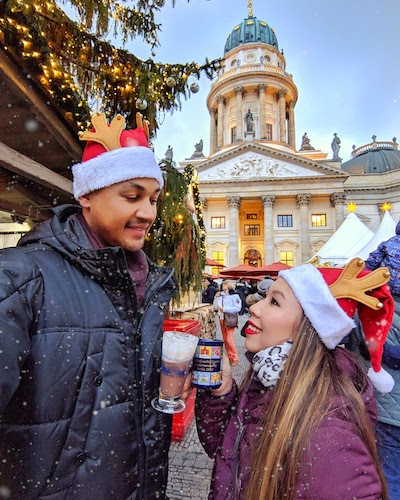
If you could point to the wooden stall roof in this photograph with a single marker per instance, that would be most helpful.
(38, 145)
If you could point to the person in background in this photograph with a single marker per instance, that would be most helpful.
(210, 288)
(388, 255)
(227, 302)
(253, 298)
(388, 425)
(242, 289)
(81, 323)
(301, 426)
(261, 293)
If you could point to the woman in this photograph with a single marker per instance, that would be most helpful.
(302, 424)
(229, 302)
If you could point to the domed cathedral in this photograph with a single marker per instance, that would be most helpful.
(264, 201)
(254, 98)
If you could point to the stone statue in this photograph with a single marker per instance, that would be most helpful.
(335, 146)
(305, 140)
(198, 147)
(198, 150)
(305, 143)
(249, 121)
(169, 154)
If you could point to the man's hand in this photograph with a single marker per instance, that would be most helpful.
(187, 387)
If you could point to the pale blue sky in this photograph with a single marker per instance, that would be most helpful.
(343, 55)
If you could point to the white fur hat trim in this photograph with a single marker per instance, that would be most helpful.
(115, 166)
(319, 305)
(382, 380)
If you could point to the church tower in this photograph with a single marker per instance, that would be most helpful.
(253, 97)
(263, 201)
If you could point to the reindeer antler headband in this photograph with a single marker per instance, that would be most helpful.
(350, 286)
(114, 155)
(355, 289)
(109, 135)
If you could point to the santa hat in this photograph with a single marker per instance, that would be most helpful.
(331, 296)
(114, 155)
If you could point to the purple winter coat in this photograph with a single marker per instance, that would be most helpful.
(342, 467)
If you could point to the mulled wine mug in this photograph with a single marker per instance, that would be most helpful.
(207, 364)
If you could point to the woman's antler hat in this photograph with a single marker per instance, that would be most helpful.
(113, 154)
(331, 296)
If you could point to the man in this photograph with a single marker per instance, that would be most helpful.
(210, 288)
(81, 315)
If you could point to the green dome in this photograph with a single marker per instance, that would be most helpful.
(374, 161)
(251, 30)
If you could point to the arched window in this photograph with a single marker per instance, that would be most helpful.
(253, 258)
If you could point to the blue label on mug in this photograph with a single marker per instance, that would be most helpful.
(207, 364)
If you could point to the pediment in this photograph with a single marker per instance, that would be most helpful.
(218, 243)
(255, 163)
(286, 242)
(319, 242)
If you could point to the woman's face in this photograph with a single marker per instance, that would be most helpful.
(274, 319)
(225, 286)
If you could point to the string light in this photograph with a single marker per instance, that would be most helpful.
(76, 67)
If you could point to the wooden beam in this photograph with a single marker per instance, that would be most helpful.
(67, 139)
(35, 214)
(30, 169)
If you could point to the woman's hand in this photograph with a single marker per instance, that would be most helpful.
(227, 379)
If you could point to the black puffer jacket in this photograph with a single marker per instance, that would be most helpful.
(79, 365)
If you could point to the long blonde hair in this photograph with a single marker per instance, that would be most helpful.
(303, 397)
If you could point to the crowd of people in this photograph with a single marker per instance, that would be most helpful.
(81, 323)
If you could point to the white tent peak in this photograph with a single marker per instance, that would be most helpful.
(386, 230)
(346, 242)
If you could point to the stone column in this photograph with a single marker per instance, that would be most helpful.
(280, 95)
(291, 131)
(338, 201)
(234, 205)
(262, 90)
(268, 205)
(213, 131)
(303, 200)
(239, 113)
(220, 124)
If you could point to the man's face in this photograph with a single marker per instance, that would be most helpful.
(122, 214)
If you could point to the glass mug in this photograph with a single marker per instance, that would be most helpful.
(178, 349)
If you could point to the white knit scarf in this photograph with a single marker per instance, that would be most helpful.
(268, 363)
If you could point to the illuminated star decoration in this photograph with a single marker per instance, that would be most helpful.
(386, 207)
(351, 207)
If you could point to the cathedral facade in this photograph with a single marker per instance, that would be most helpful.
(264, 201)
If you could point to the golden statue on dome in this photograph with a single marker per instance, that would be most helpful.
(250, 7)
